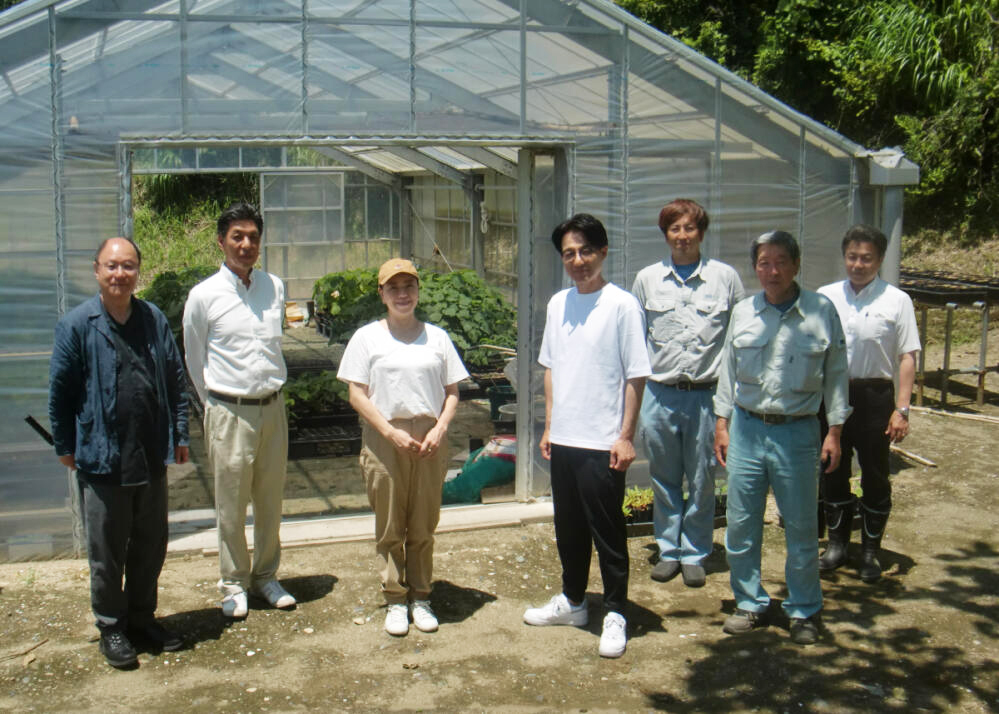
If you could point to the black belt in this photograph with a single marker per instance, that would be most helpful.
(776, 418)
(687, 386)
(248, 401)
(871, 382)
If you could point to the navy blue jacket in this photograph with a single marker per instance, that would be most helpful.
(83, 386)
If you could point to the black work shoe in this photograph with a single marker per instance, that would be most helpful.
(743, 621)
(665, 570)
(117, 650)
(870, 566)
(693, 575)
(833, 556)
(154, 634)
(804, 630)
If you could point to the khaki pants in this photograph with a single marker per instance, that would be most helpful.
(404, 491)
(248, 451)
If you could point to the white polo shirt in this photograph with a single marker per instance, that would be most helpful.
(879, 324)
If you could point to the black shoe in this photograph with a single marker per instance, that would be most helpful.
(833, 557)
(804, 630)
(693, 575)
(153, 633)
(117, 650)
(870, 566)
(743, 621)
(665, 570)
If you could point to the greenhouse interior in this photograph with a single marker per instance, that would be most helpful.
(454, 133)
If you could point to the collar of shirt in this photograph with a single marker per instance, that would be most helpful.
(670, 270)
(760, 303)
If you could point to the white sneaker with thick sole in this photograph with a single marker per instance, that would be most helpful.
(558, 611)
(234, 605)
(614, 638)
(272, 592)
(397, 620)
(423, 616)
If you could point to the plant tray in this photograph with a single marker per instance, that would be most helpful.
(326, 441)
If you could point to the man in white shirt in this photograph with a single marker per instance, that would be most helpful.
(595, 361)
(882, 341)
(687, 300)
(232, 338)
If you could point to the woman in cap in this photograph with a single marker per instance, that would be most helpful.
(403, 375)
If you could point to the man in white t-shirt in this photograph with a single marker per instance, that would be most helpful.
(596, 363)
(882, 341)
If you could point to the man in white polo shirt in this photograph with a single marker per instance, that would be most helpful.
(232, 336)
(881, 341)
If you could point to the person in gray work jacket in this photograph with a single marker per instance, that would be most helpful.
(687, 300)
(784, 355)
(118, 411)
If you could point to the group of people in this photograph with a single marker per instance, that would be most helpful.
(779, 388)
(741, 382)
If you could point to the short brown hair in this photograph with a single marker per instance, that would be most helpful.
(680, 207)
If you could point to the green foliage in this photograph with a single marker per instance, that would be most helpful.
(313, 393)
(460, 303)
(169, 293)
(174, 241)
(179, 193)
(636, 500)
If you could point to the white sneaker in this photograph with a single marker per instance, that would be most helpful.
(423, 617)
(397, 620)
(272, 592)
(614, 638)
(558, 611)
(234, 604)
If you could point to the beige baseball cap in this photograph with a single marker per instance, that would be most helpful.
(395, 266)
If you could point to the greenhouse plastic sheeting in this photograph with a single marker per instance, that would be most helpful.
(388, 88)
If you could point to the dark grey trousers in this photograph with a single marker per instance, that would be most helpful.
(127, 532)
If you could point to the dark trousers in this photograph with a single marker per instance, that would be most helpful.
(587, 496)
(873, 402)
(127, 532)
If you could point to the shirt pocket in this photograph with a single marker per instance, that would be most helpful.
(713, 314)
(661, 314)
(807, 354)
(271, 323)
(748, 350)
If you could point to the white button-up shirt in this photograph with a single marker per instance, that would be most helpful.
(784, 362)
(232, 334)
(686, 320)
(880, 326)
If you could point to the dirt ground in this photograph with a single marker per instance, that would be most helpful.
(925, 638)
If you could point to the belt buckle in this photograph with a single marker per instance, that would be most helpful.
(685, 385)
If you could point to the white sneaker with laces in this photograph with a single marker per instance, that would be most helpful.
(397, 620)
(423, 616)
(234, 604)
(272, 592)
(558, 611)
(614, 638)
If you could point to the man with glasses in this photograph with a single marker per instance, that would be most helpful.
(119, 413)
(595, 361)
(232, 337)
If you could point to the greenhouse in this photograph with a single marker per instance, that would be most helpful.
(457, 133)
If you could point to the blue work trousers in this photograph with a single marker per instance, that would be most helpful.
(678, 431)
(784, 457)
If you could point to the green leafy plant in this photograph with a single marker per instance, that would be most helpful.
(169, 290)
(637, 501)
(459, 302)
(313, 393)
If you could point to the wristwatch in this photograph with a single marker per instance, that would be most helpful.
(904, 411)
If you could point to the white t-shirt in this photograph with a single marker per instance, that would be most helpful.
(593, 344)
(879, 324)
(404, 380)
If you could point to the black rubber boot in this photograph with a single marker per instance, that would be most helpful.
(871, 533)
(839, 521)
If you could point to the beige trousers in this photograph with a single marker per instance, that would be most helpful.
(248, 451)
(405, 493)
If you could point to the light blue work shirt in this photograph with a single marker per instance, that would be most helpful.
(785, 363)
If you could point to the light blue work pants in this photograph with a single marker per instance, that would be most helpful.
(784, 457)
(678, 431)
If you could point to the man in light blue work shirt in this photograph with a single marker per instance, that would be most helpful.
(784, 354)
(687, 300)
